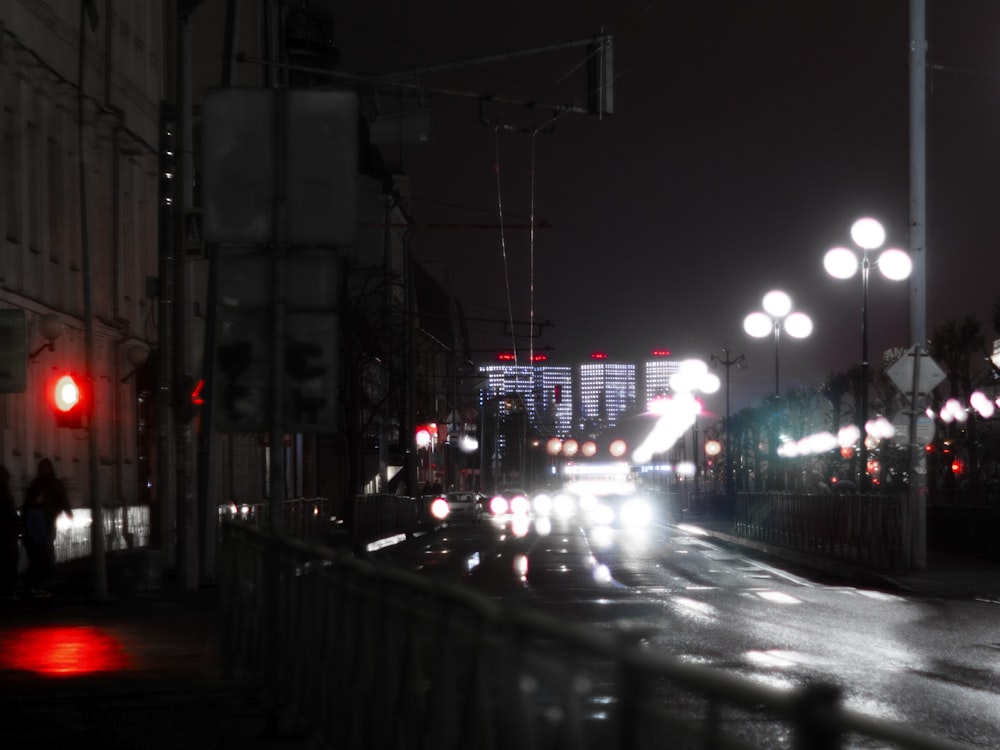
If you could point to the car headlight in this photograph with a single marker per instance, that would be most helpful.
(543, 504)
(439, 508)
(636, 513)
(602, 515)
(498, 505)
(519, 505)
(563, 505)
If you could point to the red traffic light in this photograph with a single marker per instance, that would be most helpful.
(190, 398)
(69, 396)
(66, 394)
(425, 434)
(196, 397)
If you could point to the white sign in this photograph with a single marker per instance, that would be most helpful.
(901, 373)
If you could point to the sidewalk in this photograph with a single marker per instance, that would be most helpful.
(154, 653)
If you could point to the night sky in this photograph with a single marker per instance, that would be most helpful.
(747, 137)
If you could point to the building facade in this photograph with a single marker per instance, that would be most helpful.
(607, 394)
(78, 226)
(545, 391)
(657, 373)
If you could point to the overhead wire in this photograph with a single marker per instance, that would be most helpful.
(503, 241)
(531, 257)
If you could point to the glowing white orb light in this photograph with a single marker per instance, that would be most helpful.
(868, 233)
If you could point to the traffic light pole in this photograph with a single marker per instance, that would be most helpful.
(185, 500)
(276, 473)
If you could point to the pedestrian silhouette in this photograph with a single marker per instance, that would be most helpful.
(10, 530)
(44, 500)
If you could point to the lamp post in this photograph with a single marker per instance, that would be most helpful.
(727, 362)
(868, 234)
(777, 315)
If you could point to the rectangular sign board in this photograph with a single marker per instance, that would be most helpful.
(246, 345)
(280, 166)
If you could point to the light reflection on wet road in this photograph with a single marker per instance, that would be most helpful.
(928, 662)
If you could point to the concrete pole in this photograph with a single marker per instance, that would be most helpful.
(184, 451)
(99, 569)
(918, 279)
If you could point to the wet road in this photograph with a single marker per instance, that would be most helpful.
(932, 663)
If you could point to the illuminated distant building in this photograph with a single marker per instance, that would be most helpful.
(607, 393)
(545, 390)
(657, 375)
(553, 396)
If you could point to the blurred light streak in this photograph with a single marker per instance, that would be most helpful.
(602, 574)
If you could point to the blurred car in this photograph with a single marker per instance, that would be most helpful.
(511, 500)
(462, 506)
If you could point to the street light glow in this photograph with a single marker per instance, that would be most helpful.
(758, 325)
(777, 303)
(798, 325)
(895, 264)
(840, 263)
(868, 233)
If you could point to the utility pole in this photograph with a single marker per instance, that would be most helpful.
(97, 550)
(187, 519)
(918, 279)
(727, 362)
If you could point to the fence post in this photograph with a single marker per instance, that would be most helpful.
(814, 718)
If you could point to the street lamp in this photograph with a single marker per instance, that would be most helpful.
(777, 315)
(727, 362)
(842, 263)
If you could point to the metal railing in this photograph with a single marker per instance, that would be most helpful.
(857, 528)
(312, 519)
(369, 656)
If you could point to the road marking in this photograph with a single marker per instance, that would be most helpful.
(879, 595)
(778, 597)
(790, 577)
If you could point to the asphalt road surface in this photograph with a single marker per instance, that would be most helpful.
(932, 663)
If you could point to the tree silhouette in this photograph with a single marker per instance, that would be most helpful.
(834, 388)
(958, 347)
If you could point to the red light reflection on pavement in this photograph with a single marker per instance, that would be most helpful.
(61, 651)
